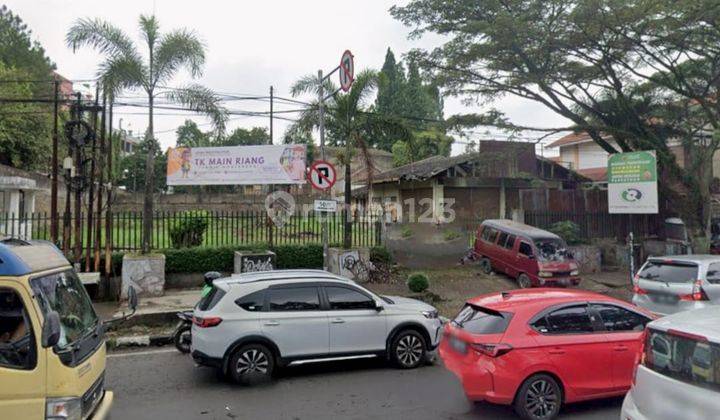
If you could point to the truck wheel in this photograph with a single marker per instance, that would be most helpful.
(251, 364)
(524, 281)
(485, 265)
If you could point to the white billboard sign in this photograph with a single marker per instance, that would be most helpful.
(237, 165)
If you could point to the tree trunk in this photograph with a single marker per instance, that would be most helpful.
(347, 238)
(149, 182)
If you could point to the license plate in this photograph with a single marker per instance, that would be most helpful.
(458, 345)
(664, 299)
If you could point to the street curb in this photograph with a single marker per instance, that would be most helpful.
(139, 341)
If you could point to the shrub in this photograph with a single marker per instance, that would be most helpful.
(406, 232)
(450, 234)
(381, 255)
(298, 256)
(418, 282)
(189, 230)
(567, 230)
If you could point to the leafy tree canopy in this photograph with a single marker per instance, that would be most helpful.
(19, 51)
(132, 175)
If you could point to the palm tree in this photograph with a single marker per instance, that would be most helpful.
(349, 122)
(125, 68)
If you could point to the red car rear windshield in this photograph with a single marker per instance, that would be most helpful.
(478, 320)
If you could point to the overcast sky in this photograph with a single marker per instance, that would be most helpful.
(251, 45)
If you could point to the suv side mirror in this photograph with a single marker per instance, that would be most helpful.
(132, 298)
(379, 306)
(50, 330)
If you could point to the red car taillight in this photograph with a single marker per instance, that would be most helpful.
(698, 293)
(206, 322)
(491, 350)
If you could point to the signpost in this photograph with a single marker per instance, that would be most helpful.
(632, 189)
(347, 70)
(322, 175)
(326, 206)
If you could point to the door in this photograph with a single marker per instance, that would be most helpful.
(501, 253)
(22, 365)
(355, 324)
(295, 322)
(511, 256)
(624, 330)
(525, 257)
(711, 286)
(580, 353)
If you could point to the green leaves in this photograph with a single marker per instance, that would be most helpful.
(202, 100)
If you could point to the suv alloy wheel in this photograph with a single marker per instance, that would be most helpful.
(251, 364)
(408, 349)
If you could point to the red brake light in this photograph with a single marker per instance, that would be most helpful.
(698, 293)
(207, 322)
(638, 291)
(491, 350)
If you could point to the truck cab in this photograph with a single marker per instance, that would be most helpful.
(52, 345)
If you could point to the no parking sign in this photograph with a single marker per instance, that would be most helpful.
(322, 175)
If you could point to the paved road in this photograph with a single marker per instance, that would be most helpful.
(163, 384)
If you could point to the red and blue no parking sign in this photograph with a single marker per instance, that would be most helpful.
(322, 175)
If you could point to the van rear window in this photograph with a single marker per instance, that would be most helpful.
(669, 271)
(479, 320)
(683, 358)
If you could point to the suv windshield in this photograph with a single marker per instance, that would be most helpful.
(551, 249)
(65, 294)
(669, 272)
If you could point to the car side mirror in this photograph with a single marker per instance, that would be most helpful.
(379, 307)
(132, 298)
(50, 330)
(531, 257)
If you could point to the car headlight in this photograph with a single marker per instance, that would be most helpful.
(63, 409)
(545, 274)
(430, 314)
(575, 273)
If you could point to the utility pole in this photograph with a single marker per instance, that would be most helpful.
(91, 193)
(54, 163)
(98, 213)
(321, 110)
(108, 211)
(270, 223)
(78, 191)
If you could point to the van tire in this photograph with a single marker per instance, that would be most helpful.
(523, 280)
(486, 265)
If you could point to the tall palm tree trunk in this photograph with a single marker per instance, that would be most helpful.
(149, 181)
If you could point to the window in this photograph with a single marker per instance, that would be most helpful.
(693, 361)
(510, 243)
(478, 320)
(571, 320)
(17, 344)
(713, 273)
(669, 272)
(254, 302)
(342, 298)
(489, 234)
(615, 318)
(526, 249)
(502, 238)
(211, 299)
(293, 299)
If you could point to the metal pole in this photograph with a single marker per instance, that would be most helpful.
(270, 223)
(108, 211)
(321, 109)
(54, 185)
(98, 214)
(78, 193)
(91, 193)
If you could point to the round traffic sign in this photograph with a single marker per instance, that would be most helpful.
(347, 70)
(322, 175)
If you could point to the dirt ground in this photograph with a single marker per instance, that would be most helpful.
(455, 285)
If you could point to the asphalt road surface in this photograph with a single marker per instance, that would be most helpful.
(164, 384)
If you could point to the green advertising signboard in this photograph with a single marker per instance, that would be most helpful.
(632, 183)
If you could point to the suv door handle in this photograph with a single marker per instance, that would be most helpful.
(338, 321)
(272, 324)
(556, 350)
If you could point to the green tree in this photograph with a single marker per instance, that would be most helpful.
(18, 51)
(349, 123)
(190, 135)
(132, 168)
(245, 137)
(125, 68)
(609, 66)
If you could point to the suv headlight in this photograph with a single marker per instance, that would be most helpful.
(63, 409)
(430, 314)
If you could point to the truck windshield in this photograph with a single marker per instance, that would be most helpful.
(551, 249)
(65, 294)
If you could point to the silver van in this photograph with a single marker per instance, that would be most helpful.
(679, 372)
(666, 285)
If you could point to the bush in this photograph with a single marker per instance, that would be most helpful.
(299, 256)
(450, 234)
(418, 282)
(380, 255)
(567, 230)
(406, 232)
(189, 230)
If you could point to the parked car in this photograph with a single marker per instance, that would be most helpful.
(666, 285)
(679, 372)
(533, 256)
(537, 349)
(250, 324)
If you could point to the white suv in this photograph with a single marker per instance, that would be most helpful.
(679, 372)
(249, 324)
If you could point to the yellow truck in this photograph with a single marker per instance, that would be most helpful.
(52, 345)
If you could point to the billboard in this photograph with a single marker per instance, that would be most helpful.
(632, 183)
(237, 165)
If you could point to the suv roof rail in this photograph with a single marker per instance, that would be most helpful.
(281, 275)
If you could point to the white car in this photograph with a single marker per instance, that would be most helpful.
(250, 324)
(679, 372)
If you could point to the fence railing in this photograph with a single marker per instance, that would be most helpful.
(224, 228)
(601, 224)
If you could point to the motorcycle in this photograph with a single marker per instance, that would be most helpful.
(182, 336)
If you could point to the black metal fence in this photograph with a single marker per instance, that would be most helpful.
(601, 224)
(224, 228)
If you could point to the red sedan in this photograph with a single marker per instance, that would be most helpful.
(537, 349)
